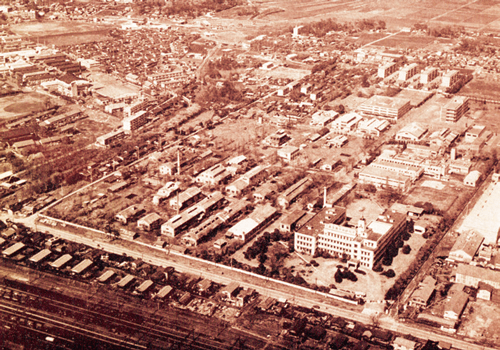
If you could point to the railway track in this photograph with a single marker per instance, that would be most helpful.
(122, 329)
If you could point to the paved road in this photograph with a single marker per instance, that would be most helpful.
(217, 275)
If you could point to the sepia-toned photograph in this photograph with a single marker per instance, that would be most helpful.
(249, 174)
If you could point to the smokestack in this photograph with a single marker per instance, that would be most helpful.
(178, 164)
(324, 196)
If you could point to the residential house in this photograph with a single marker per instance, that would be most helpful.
(230, 291)
(484, 291)
(455, 306)
(423, 293)
(404, 344)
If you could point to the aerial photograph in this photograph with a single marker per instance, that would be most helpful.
(250, 174)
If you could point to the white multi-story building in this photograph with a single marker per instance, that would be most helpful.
(136, 107)
(391, 108)
(387, 69)
(364, 245)
(449, 79)
(135, 121)
(407, 72)
(428, 75)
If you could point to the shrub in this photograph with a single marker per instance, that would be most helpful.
(378, 268)
(406, 236)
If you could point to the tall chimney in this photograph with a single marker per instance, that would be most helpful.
(324, 196)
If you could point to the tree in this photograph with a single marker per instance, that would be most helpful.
(406, 249)
(387, 260)
(378, 268)
(389, 273)
(340, 109)
(338, 276)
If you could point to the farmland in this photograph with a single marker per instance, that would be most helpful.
(471, 14)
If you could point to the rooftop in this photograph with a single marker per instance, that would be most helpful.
(385, 102)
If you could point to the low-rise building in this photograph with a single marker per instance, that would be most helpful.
(371, 127)
(412, 132)
(404, 344)
(149, 222)
(322, 118)
(288, 153)
(423, 293)
(382, 177)
(185, 198)
(484, 291)
(169, 168)
(346, 123)
(277, 139)
(288, 223)
(455, 306)
(292, 192)
(474, 133)
(471, 276)
(466, 247)
(110, 138)
(214, 175)
(129, 214)
(265, 191)
(472, 178)
(245, 229)
(230, 291)
(192, 215)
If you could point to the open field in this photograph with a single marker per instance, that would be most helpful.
(481, 321)
(441, 199)
(401, 41)
(11, 106)
(62, 33)
(485, 86)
